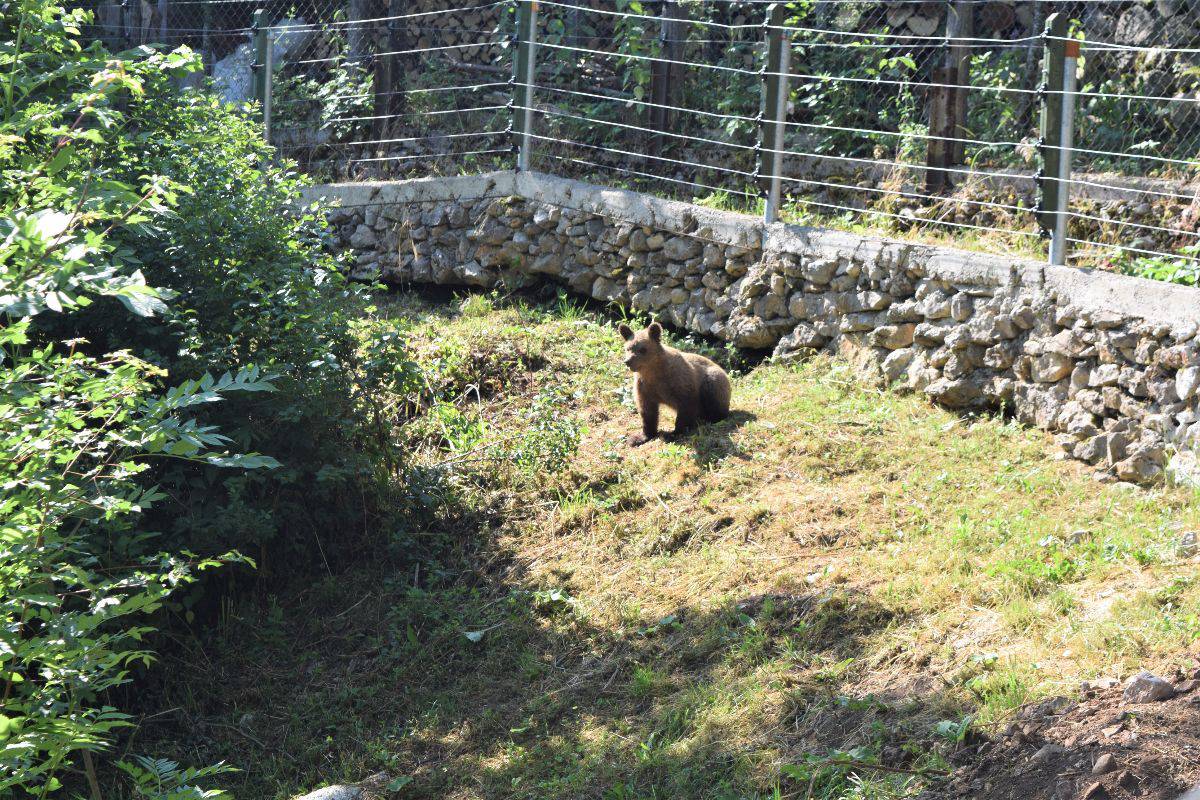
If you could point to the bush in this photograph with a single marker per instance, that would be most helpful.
(146, 246)
(80, 424)
(251, 282)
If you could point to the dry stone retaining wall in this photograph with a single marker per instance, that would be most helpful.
(1110, 364)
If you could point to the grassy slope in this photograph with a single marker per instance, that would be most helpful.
(834, 568)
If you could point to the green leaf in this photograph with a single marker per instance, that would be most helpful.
(141, 300)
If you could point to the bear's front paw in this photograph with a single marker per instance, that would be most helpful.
(637, 439)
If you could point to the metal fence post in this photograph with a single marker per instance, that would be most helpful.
(261, 68)
(524, 73)
(1057, 133)
(775, 98)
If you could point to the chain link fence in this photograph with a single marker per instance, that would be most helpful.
(913, 117)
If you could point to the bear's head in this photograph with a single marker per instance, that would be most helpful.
(644, 348)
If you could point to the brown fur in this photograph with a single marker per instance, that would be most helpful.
(694, 386)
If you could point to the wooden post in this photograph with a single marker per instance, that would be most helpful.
(358, 36)
(110, 20)
(1025, 103)
(1057, 26)
(389, 74)
(524, 75)
(674, 37)
(947, 110)
(774, 109)
(667, 75)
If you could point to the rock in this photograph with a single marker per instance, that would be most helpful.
(1047, 753)
(894, 337)
(545, 216)
(895, 366)
(1104, 375)
(907, 311)
(1051, 368)
(857, 322)
(1177, 357)
(954, 393)
(770, 306)
(1066, 343)
(872, 301)
(819, 270)
(929, 335)
(961, 307)
(752, 332)
(1098, 684)
(606, 290)
(804, 337)
(1146, 687)
(1105, 319)
(547, 264)
(1186, 382)
(364, 238)
(1024, 318)
(936, 306)
(473, 274)
(1139, 469)
(680, 248)
(1094, 791)
(1184, 469)
(1105, 764)
(339, 792)
(1187, 546)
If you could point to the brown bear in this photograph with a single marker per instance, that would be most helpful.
(691, 384)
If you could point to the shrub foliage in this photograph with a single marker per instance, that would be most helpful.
(178, 380)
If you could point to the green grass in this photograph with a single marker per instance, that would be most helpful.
(836, 577)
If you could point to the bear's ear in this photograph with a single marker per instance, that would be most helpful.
(625, 331)
(655, 331)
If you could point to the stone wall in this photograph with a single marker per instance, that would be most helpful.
(1109, 364)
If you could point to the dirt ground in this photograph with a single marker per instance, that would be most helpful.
(1098, 747)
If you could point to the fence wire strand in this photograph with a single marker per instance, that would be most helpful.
(920, 125)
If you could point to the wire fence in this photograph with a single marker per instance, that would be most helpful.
(918, 118)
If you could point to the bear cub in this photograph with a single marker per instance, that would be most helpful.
(694, 386)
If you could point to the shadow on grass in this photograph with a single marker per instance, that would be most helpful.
(467, 681)
(713, 442)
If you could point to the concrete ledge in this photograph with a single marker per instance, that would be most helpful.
(1155, 302)
(464, 188)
